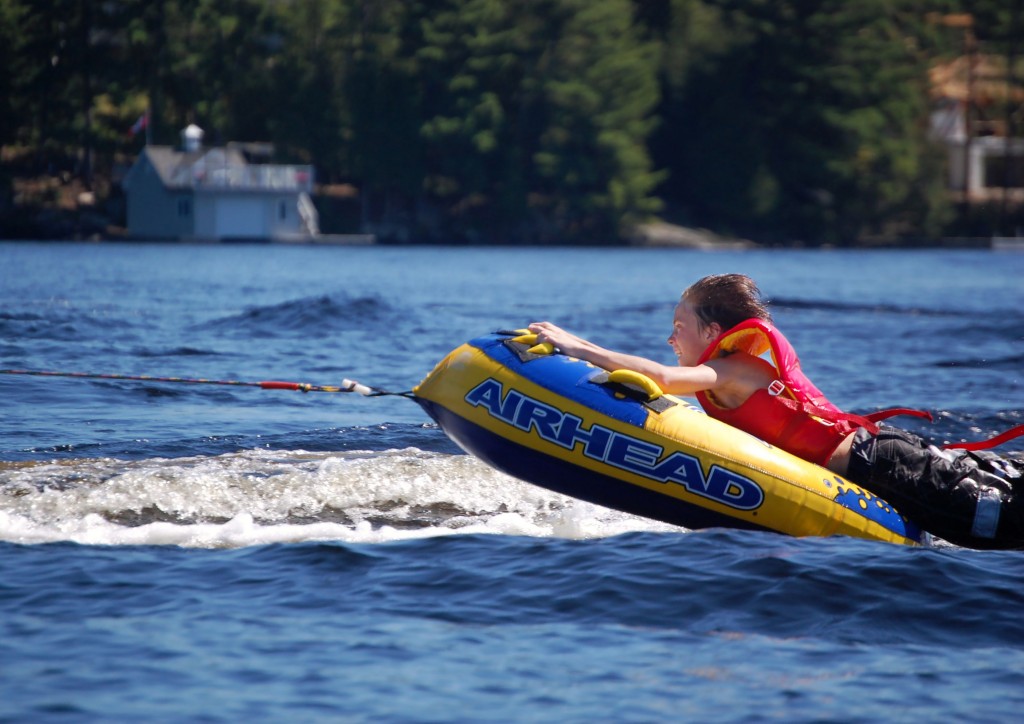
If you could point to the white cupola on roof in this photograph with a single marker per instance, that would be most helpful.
(191, 138)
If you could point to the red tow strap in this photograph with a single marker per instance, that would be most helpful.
(868, 422)
(893, 412)
(1011, 434)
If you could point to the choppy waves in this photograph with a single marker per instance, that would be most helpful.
(261, 496)
(325, 313)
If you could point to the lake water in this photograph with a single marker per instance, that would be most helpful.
(177, 552)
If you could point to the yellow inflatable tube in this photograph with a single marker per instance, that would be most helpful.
(616, 440)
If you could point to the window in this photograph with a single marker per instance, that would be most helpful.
(184, 207)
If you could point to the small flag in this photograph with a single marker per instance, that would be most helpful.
(140, 124)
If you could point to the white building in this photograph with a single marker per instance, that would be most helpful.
(215, 194)
(969, 118)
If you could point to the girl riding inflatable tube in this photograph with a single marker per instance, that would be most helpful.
(615, 440)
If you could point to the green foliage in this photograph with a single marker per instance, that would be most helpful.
(599, 92)
(532, 117)
(10, 61)
(303, 86)
(536, 120)
(813, 123)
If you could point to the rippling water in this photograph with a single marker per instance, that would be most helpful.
(190, 552)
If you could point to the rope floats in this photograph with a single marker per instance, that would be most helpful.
(345, 386)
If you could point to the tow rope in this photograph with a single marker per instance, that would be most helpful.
(345, 386)
(348, 385)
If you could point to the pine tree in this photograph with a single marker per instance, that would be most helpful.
(814, 122)
(599, 92)
(536, 116)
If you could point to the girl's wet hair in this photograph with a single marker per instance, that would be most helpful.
(727, 299)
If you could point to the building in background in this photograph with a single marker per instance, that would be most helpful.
(217, 194)
(977, 114)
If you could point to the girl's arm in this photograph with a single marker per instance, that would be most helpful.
(673, 379)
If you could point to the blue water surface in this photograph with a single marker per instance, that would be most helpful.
(184, 552)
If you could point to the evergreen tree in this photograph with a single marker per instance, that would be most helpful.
(49, 80)
(214, 64)
(535, 117)
(12, 61)
(693, 41)
(311, 118)
(473, 62)
(814, 122)
(599, 92)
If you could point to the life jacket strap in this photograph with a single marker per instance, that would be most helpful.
(894, 411)
(1012, 434)
(831, 415)
(868, 421)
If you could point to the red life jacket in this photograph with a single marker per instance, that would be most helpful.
(791, 413)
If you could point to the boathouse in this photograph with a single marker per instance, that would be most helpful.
(216, 194)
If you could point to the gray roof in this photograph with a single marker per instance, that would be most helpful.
(176, 169)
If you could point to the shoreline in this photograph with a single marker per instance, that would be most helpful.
(93, 227)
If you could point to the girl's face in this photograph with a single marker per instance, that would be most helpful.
(689, 338)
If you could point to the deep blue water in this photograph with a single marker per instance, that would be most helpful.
(183, 552)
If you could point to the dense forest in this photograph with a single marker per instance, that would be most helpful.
(535, 121)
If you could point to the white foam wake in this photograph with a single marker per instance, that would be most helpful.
(258, 497)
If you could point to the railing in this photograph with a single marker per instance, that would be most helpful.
(257, 177)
